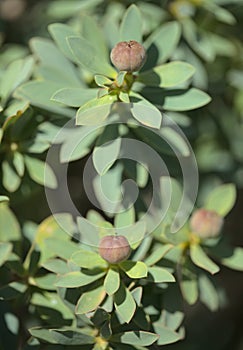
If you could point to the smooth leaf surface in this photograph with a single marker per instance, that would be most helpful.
(134, 269)
(186, 100)
(200, 258)
(124, 303)
(167, 75)
(104, 156)
(89, 58)
(221, 199)
(139, 338)
(88, 259)
(145, 112)
(131, 25)
(90, 300)
(78, 279)
(166, 335)
(40, 172)
(9, 226)
(157, 254)
(112, 281)
(235, 261)
(74, 97)
(5, 250)
(160, 275)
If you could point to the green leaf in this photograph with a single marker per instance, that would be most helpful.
(74, 97)
(124, 303)
(18, 162)
(4, 199)
(39, 94)
(134, 233)
(208, 293)
(60, 32)
(158, 254)
(167, 75)
(89, 57)
(166, 335)
(5, 250)
(131, 25)
(134, 269)
(90, 300)
(221, 199)
(176, 140)
(235, 261)
(78, 279)
(138, 338)
(60, 247)
(16, 73)
(112, 281)
(160, 275)
(88, 259)
(200, 259)
(50, 56)
(9, 226)
(71, 337)
(57, 266)
(44, 282)
(11, 180)
(104, 156)
(162, 43)
(102, 81)
(40, 172)
(64, 9)
(185, 100)
(12, 290)
(125, 218)
(93, 34)
(189, 287)
(145, 112)
(95, 111)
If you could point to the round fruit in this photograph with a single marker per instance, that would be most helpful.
(206, 223)
(128, 56)
(114, 249)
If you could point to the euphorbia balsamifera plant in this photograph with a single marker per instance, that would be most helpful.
(116, 278)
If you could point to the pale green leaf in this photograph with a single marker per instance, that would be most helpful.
(134, 269)
(95, 111)
(221, 199)
(162, 43)
(4, 199)
(112, 281)
(157, 254)
(131, 25)
(9, 226)
(74, 97)
(200, 259)
(5, 250)
(104, 156)
(235, 261)
(71, 336)
(166, 335)
(124, 303)
(208, 294)
(90, 300)
(167, 75)
(160, 275)
(76, 279)
(40, 172)
(145, 112)
(89, 57)
(88, 259)
(137, 338)
(11, 180)
(185, 100)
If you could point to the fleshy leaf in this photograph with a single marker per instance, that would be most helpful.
(112, 281)
(78, 279)
(134, 269)
(137, 338)
(90, 300)
(124, 303)
(131, 25)
(222, 199)
(200, 258)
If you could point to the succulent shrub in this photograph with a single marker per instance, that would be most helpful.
(120, 87)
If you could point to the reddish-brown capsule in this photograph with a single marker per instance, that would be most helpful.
(114, 249)
(206, 223)
(128, 56)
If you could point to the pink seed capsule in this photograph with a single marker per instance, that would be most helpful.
(206, 223)
(128, 56)
(114, 249)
